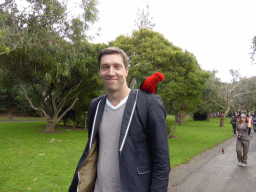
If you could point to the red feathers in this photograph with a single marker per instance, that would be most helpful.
(150, 83)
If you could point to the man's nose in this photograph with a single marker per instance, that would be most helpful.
(111, 71)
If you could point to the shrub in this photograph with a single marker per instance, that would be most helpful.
(200, 116)
(169, 126)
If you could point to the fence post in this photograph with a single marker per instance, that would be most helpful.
(85, 118)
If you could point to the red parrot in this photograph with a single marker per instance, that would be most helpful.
(150, 83)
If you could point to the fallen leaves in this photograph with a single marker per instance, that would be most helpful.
(54, 140)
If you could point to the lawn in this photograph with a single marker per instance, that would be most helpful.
(29, 161)
(194, 137)
(18, 118)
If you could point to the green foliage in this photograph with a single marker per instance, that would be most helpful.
(211, 93)
(253, 48)
(49, 54)
(245, 99)
(8, 93)
(42, 22)
(170, 125)
(150, 52)
(77, 114)
(12, 99)
(3, 47)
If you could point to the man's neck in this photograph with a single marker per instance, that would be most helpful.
(117, 97)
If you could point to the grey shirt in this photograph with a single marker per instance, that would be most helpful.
(108, 175)
(243, 130)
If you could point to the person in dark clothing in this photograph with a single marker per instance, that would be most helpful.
(123, 154)
(233, 122)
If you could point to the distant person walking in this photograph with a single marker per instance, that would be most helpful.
(250, 128)
(233, 122)
(243, 141)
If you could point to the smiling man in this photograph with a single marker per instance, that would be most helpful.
(123, 153)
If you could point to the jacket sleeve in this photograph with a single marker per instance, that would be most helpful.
(159, 144)
(74, 183)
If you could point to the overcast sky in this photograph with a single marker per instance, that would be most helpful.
(217, 32)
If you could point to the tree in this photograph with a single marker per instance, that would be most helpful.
(48, 58)
(246, 101)
(213, 85)
(253, 48)
(229, 92)
(43, 22)
(184, 85)
(3, 48)
(143, 19)
(8, 92)
(150, 52)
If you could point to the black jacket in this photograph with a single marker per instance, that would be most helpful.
(143, 153)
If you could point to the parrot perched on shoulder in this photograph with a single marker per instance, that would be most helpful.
(150, 83)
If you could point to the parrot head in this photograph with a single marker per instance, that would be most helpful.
(160, 76)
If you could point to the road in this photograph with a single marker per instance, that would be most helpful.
(213, 171)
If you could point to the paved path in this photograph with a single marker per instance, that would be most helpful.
(213, 171)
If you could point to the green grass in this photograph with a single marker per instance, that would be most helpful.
(29, 162)
(194, 137)
(5, 118)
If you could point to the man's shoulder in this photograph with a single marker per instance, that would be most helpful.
(153, 99)
(149, 95)
(150, 101)
(96, 100)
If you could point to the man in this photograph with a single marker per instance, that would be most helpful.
(122, 154)
(233, 122)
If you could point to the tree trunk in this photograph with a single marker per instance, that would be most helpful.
(50, 127)
(177, 118)
(10, 116)
(182, 118)
(170, 135)
(208, 117)
(222, 121)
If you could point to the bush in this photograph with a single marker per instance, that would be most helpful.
(169, 125)
(200, 116)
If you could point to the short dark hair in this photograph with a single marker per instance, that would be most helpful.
(113, 50)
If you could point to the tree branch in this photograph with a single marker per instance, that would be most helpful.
(68, 109)
(63, 101)
(5, 3)
(244, 93)
(2, 53)
(31, 104)
(217, 103)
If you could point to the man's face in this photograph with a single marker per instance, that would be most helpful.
(113, 72)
